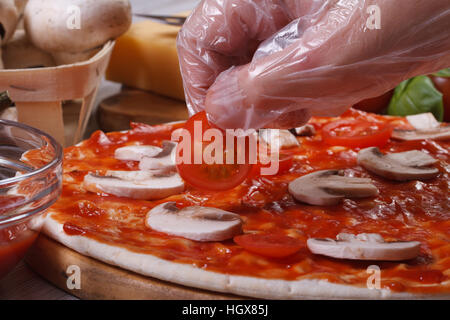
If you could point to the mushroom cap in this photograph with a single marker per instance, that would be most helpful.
(278, 138)
(136, 153)
(364, 247)
(423, 121)
(62, 58)
(20, 53)
(440, 133)
(20, 5)
(9, 17)
(195, 222)
(165, 160)
(402, 166)
(135, 184)
(328, 187)
(48, 23)
(308, 130)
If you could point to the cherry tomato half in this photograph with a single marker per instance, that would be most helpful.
(443, 85)
(356, 133)
(214, 176)
(269, 245)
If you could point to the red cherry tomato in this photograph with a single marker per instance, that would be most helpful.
(375, 105)
(269, 245)
(356, 133)
(215, 176)
(443, 85)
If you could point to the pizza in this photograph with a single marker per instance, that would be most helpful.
(352, 194)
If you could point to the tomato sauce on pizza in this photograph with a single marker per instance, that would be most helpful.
(406, 211)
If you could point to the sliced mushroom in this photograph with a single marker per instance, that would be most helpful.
(423, 121)
(277, 138)
(195, 223)
(403, 166)
(364, 246)
(135, 184)
(20, 53)
(165, 160)
(307, 130)
(136, 153)
(440, 133)
(426, 127)
(413, 158)
(328, 187)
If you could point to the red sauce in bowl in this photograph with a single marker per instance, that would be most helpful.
(14, 242)
(27, 189)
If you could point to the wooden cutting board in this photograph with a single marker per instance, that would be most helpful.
(51, 259)
(130, 105)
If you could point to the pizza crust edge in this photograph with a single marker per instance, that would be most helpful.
(187, 275)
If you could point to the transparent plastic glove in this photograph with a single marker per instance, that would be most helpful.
(274, 63)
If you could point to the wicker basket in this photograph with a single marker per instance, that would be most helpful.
(39, 93)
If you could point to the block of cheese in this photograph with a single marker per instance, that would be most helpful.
(145, 57)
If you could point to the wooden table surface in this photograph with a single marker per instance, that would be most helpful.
(22, 282)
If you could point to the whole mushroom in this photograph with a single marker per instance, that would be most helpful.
(20, 53)
(20, 5)
(9, 17)
(69, 57)
(74, 30)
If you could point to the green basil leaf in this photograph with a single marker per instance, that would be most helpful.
(417, 95)
(445, 73)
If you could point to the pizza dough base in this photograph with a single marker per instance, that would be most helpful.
(188, 275)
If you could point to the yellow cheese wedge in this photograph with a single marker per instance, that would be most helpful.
(145, 57)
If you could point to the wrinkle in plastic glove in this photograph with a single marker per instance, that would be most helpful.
(274, 63)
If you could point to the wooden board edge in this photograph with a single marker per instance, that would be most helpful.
(99, 280)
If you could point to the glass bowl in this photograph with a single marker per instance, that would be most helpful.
(30, 182)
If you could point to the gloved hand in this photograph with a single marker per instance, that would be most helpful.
(274, 63)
